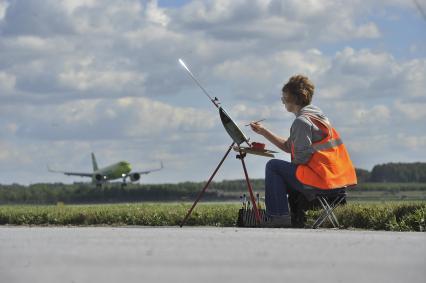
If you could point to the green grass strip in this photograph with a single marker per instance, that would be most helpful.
(390, 216)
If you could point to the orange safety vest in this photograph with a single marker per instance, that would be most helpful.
(330, 166)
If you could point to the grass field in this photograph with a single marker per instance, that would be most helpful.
(393, 216)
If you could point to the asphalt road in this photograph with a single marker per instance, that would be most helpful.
(171, 254)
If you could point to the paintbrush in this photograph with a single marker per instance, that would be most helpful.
(256, 122)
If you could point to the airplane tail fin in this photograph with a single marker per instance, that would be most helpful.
(94, 163)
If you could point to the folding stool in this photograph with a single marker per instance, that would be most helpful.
(329, 200)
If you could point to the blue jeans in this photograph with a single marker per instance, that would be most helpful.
(280, 178)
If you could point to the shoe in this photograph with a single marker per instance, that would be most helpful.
(281, 221)
(298, 219)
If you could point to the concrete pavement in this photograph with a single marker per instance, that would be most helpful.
(207, 254)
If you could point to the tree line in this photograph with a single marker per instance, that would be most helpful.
(43, 193)
(382, 177)
(394, 172)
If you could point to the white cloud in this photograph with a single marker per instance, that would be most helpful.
(89, 75)
(264, 76)
(368, 144)
(414, 74)
(148, 35)
(98, 119)
(376, 114)
(411, 142)
(155, 14)
(333, 91)
(36, 44)
(7, 83)
(71, 6)
(349, 74)
(35, 18)
(365, 73)
(3, 7)
(412, 111)
(100, 80)
(247, 113)
(369, 30)
(31, 42)
(9, 152)
(109, 17)
(155, 118)
(352, 62)
(292, 21)
(211, 11)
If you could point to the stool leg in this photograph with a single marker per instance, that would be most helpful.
(330, 212)
(335, 203)
(323, 215)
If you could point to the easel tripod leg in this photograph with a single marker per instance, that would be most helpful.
(253, 200)
(206, 185)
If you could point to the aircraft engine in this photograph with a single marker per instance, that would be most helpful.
(134, 177)
(99, 177)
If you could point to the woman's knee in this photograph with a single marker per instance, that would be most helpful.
(278, 165)
(272, 164)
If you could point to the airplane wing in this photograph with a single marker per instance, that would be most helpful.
(70, 173)
(149, 171)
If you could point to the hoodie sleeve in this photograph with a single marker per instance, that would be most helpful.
(286, 146)
(301, 137)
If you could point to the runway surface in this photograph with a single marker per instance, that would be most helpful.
(200, 254)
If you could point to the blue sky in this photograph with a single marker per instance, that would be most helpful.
(102, 76)
(166, 3)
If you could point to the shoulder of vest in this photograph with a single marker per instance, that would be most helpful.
(302, 120)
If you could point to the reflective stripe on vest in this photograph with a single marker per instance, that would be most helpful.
(330, 144)
(330, 166)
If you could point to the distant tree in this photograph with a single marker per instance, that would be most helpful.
(399, 172)
(362, 175)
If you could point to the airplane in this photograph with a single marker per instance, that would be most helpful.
(115, 171)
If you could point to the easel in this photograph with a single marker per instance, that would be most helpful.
(238, 138)
(240, 156)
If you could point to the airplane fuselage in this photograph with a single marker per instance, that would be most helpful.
(111, 172)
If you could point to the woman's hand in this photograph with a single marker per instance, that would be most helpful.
(278, 141)
(258, 128)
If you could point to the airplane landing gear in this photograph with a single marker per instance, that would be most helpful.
(123, 184)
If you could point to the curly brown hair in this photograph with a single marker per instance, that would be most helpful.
(299, 89)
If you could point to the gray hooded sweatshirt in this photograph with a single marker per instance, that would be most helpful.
(303, 133)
